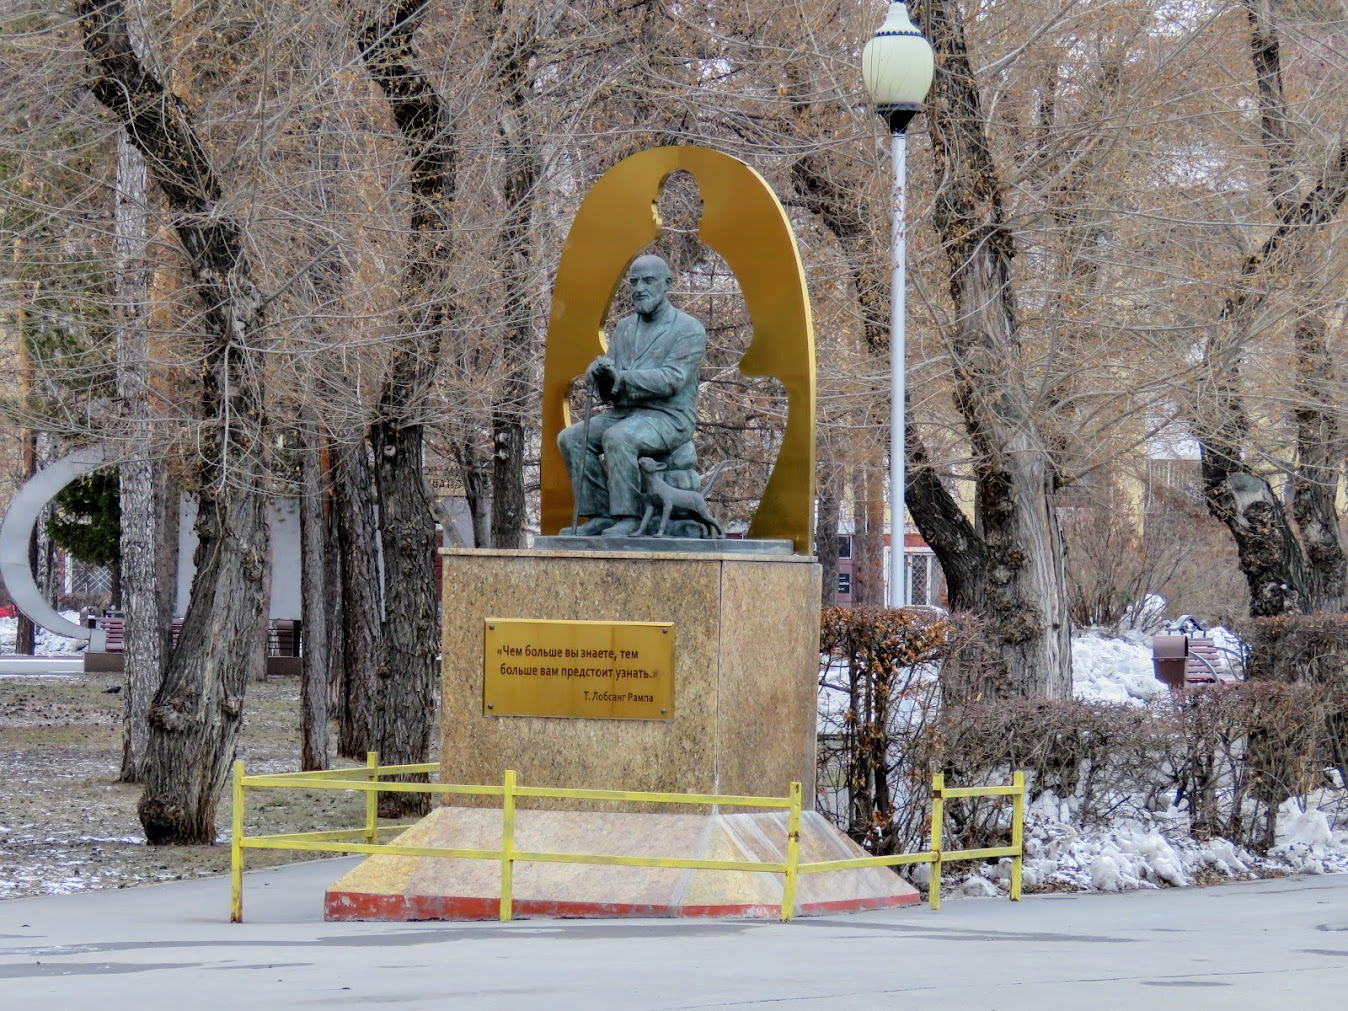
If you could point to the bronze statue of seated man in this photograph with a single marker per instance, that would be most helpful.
(649, 378)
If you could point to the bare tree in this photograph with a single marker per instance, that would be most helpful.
(357, 540)
(314, 750)
(1024, 575)
(194, 718)
(405, 707)
(1285, 575)
(143, 477)
(514, 59)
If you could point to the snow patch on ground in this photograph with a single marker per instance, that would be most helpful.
(48, 643)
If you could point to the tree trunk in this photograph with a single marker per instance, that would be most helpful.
(166, 557)
(406, 701)
(194, 718)
(1315, 482)
(514, 248)
(146, 627)
(477, 490)
(826, 530)
(405, 706)
(868, 538)
(142, 476)
(313, 607)
(507, 493)
(1025, 578)
(358, 544)
(946, 529)
(332, 579)
(25, 634)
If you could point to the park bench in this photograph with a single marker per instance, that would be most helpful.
(1183, 661)
(284, 643)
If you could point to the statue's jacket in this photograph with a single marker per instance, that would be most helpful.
(660, 378)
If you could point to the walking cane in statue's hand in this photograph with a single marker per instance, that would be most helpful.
(579, 476)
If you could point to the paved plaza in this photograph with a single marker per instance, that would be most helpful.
(1254, 945)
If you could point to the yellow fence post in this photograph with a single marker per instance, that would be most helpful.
(792, 855)
(508, 846)
(371, 798)
(1017, 833)
(937, 820)
(236, 847)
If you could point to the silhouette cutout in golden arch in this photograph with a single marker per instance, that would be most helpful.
(745, 224)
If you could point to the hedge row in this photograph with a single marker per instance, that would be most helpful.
(1227, 756)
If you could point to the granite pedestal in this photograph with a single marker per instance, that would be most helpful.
(745, 669)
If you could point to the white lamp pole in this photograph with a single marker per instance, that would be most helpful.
(897, 66)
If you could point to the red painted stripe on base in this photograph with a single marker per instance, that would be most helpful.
(857, 905)
(399, 908)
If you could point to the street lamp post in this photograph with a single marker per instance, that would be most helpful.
(897, 67)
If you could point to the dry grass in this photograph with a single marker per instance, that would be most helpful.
(67, 825)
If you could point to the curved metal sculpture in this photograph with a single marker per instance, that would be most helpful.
(744, 223)
(17, 528)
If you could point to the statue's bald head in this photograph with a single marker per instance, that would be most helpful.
(650, 262)
(648, 280)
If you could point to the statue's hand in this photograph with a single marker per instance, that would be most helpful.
(599, 366)
(604, 375)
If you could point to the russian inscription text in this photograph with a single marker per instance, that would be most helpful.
(586, 669)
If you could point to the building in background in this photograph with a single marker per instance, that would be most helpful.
(926, 582)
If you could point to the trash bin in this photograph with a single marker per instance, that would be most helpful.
(1170, 657)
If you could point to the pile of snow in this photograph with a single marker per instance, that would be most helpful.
(48, 643)
(1106, 669)
(1227, 642)
(1136, 851)
(1305, 842)
(1118, 668)
(1142, 849)
(1151, 851)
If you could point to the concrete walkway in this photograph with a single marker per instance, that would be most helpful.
(41, 666)
(1257, 945)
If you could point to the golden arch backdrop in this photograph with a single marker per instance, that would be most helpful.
(744, 223)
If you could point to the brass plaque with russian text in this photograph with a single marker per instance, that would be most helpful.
(604, 670)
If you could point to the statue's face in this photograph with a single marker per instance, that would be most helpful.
(648, 281)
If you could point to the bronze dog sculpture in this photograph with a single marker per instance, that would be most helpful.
(687, 502)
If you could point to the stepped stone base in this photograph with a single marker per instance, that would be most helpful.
(435, 888)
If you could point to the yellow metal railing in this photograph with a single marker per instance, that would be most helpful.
(369, 780)
(935, 856)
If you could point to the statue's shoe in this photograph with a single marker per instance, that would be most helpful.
(590, 528)
(625, 527)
